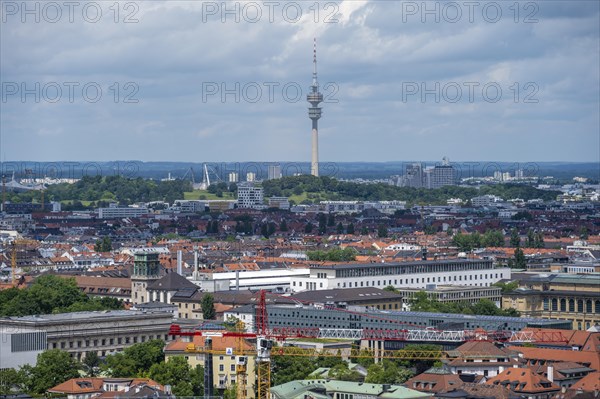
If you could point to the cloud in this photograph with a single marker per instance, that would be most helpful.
(176, 49)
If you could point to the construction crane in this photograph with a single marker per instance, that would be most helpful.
(266, 347)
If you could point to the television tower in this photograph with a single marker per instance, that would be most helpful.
(314, 97)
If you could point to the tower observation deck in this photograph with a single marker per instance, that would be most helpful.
(314, 97)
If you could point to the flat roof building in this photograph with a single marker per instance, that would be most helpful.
(464, 272)
(102, 332)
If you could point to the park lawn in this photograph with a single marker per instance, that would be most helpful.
(195, 195)
(84, 203)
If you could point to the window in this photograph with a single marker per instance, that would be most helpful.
(232, 367)
(221, 367)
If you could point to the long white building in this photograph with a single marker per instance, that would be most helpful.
(419, 274)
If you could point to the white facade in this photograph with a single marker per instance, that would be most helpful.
(485, 200)
(407, 274)
(189, 206)
(20, 346)
(234, 177)
(117, 212)
(251, 280)
(250, 196)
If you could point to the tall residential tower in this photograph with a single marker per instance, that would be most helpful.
(314, 113)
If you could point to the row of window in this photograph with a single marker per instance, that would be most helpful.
(222, 367)
(423, 280)
(103, 342)
(563, 304)
(375, 270)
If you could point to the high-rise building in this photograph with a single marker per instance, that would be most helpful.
(314, 113)
(234, 177)
(440, 175)
(250, 176)
(274, 172)
(413, 177)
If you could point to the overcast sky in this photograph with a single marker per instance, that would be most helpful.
(403, 80)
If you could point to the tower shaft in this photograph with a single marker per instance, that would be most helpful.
(314, 164)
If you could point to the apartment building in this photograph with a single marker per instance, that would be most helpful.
(224, 362)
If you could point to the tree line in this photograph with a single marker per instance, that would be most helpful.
(485, 307)
(143, 360)
(51, 294)
(332, 189)
(102, 190)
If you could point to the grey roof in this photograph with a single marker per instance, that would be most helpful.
(346, 295)
(171, 282)
(377, 265)
(77, 316)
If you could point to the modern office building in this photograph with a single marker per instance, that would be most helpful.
(189, 206)
(250, 196)
(453, 293)
(102, 332)
(485, 200)
(115, 211)
(463, 272)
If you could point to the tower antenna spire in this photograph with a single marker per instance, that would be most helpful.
(315, 83)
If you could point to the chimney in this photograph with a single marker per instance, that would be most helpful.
(179, 266)
(550, 372)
